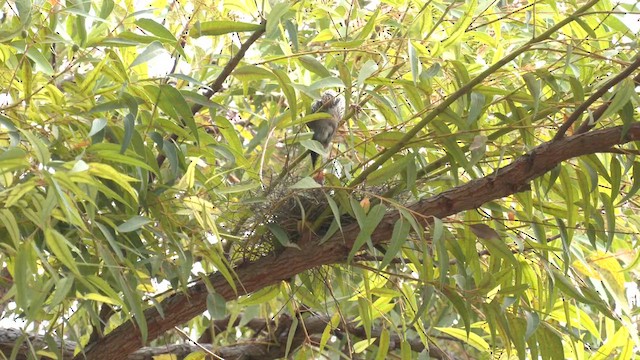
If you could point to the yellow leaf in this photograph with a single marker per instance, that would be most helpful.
(472, 339)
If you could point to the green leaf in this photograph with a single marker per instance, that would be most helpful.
(238, 188)
(261, 296)
(91, 79)
(225, 269)
(383, 345)
(398, 237)
(174, 104)
(291, 335)
(484, 231)
(171, 150)
(216, 305)
(415, 63)
(535, 89)
(59, 246)
(628, 119)
(364, 309)
(275, 15)
(616, 177)
(24, 11)
(19, 191)
(106, 8)
(368, 69)
(214, 28)
(125, 159)
(107, 106)
(315, 146)
(475, 108)
(368, 223)
(281, 236)
(13, 132)
(636, 183)
(306, 183)
(289, 92)
(438, 239)
(468, 337)
(81, 27)
(551, 344)
(349, 44)
(129, 129)
(462, 307)
(326, 82)
(310, 63)
(362, 345)
(62, 289)
(292, 31)
(568, 288)
(622, 96)
(133, 224)
(107, 172)
(23, 270)
(388, 138)
(105, 288)
(152, 51)
(369, 26)
(39, 148)
(252, 73)
(533, 321)
(610, 213)
(388, 171)
(155, 28)
(32, 52)
(9, 222)
(334, 210)
(460, 25)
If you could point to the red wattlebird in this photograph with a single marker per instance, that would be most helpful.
(324, 129)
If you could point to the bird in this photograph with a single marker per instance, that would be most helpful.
(324, 129)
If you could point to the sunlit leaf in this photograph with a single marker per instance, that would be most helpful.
(220, 27)
(467, 337)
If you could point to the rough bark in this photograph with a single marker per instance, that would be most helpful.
(271, 345)
(269, 270)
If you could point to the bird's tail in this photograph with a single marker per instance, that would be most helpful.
(314, 158)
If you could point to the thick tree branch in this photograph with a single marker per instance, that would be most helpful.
(269, 270)
(270, 346)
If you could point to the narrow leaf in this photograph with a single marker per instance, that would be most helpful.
(133, 224)
(213, 28)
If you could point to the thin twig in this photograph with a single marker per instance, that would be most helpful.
(391, 151)
(216, 85)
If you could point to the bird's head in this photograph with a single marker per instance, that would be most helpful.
(330, 103)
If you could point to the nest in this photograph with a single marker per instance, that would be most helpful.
(287, 215)
(281, 219)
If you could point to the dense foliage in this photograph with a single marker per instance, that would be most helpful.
(153, 157)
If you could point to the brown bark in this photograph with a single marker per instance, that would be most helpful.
(272, 345)
(269, 270)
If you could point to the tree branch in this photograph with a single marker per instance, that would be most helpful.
(269, 270)
(216, 85)
(467, 88)
(597, 113)
(595, 96)
(270, 346)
